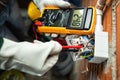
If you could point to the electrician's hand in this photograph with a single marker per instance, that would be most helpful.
(42, 3)
(38, 56)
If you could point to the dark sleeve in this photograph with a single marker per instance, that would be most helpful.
(3, 4)
(1, 42)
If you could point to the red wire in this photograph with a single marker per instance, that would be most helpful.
(38, 23)
(34, 31)
(66, 47)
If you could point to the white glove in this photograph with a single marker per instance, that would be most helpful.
(60, 3)
(38, 56)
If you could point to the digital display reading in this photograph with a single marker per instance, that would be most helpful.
(56, 17)
(77, 18)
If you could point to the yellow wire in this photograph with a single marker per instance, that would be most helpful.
(87, 56)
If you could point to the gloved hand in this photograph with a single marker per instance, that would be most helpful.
(60, 3)
(38, 56)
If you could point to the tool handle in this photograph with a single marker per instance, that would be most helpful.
(67, 47)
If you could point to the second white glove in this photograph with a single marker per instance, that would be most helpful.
(42, 3)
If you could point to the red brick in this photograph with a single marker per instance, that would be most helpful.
(107, 22)
(118, 40)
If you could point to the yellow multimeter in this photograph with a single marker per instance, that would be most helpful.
(80, 20)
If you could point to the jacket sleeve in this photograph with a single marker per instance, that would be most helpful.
(1, 42)
(3, 4)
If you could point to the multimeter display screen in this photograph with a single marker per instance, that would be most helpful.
(77, 18)
(56, 17)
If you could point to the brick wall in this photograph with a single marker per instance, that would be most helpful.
(118, 38)
(106, 70)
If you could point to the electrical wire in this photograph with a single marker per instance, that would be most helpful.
(67, 47)
(34, 31)
(37, 23)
